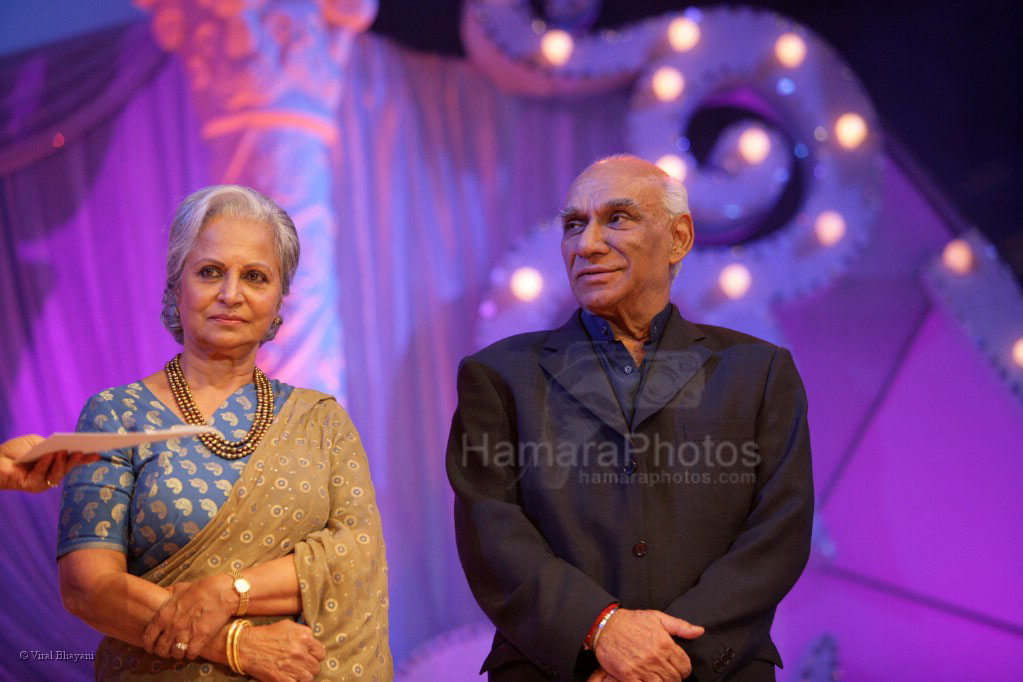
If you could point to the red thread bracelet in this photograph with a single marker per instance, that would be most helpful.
(588, 642)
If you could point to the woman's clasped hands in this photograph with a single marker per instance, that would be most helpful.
(191, 619)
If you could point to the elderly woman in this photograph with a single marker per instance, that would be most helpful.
(258, 552)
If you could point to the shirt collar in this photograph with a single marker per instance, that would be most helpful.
(600, 329)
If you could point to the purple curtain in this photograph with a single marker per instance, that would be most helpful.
(82, 232)
(441, 174)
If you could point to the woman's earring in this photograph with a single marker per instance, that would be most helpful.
(278, 321)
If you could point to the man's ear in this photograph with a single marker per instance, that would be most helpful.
(682, 237)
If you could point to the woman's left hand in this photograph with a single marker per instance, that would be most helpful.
(192, 616)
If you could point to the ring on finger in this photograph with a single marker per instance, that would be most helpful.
(183, 646)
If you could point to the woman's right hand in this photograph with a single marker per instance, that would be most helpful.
(281, 652)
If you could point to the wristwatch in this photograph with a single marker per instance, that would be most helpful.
(242, 587)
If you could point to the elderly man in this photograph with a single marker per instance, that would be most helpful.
(633, 493)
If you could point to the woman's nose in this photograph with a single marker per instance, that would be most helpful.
(229, 291)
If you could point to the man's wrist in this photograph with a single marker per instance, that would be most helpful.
(590, 642)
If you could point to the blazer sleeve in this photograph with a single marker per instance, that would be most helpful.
(543, 605)
(736, 594)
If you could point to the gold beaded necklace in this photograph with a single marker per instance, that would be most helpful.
(216, 443)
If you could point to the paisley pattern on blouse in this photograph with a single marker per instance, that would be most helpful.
(306, 491)
(149, 501)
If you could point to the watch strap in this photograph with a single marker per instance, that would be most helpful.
(243, 597)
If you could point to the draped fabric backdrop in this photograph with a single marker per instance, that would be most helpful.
(83, 230)
(440, 173)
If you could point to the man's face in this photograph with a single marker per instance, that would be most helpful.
(618, 242)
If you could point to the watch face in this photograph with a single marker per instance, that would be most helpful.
(242, 585)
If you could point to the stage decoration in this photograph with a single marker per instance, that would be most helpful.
(526, 283)
(970, 283)
(556, 46)
(735, 280)
(775, 140)
(42, 110)
(790, 49)
(829, 228)
(667, 83)
(819, 663)
(673, 165)
(503, 313)
(683, 34)
(505, 39)
(957, 256)
(266, 79)
(850, 130)
(821, 542)
(458, 652)
(797, 154)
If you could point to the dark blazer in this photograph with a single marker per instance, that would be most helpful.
(702, 510)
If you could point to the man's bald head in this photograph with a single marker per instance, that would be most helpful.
(626, 230)
(674, 197)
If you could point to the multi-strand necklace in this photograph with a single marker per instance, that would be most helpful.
(216, 443)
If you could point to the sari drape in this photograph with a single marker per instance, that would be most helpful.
(305, 491)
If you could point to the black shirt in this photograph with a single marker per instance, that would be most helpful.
(626, 378)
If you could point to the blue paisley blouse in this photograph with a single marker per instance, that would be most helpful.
(149, 501)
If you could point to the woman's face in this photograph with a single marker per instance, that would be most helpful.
(230, 288)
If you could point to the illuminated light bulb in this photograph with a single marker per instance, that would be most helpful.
(829, 227)
(556, 46)
(683, 34)
(487, 310)
(673, 165)
(790, 50)
(526, 283)
(58, 141)
(735, 280)
(754, 145)
(1017, 352)
(668, 83)
(851, 130)
(958, 256)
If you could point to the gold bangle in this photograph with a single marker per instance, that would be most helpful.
(237, 644)
(230, 653)
(232, 635)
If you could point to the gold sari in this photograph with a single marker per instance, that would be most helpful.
(306, 490)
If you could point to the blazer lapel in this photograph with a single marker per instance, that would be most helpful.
(676, 362)
(573, 364)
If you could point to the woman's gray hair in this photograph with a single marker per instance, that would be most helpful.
(224, 201)
(676, 203)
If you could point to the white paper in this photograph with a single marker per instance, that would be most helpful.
(100, 442)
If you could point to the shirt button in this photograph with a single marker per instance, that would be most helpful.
(628, 369)
(630, 466)
(639, 549)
